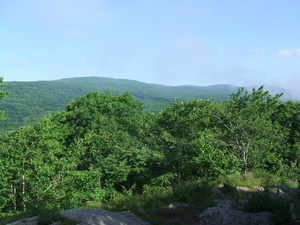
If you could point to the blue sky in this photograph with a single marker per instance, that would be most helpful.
(171, 42)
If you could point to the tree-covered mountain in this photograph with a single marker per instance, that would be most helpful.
(27, 102)
(103, 147)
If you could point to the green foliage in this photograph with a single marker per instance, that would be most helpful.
(244, 180)
(209, 159)
(159, 193)
(155, 198)
(194, 193)
(46, 215)
(2, 94)
(258, 178)
(105, 148)
(106, 130)
(193, 149)
(28, 102)
(75, 156)
(228, 190)
(244, 124)
(263, 202)
(287, 116)
(10, 217)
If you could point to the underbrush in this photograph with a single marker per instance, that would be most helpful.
(151, 203)
(155, 198)
(12, 217)
(47, 214)
(229, 191)
(260, 202)
(257, 178)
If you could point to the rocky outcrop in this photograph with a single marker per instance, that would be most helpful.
(28, 221)
(92, 217)
(282, 191)
(100, 216)
(225, 214)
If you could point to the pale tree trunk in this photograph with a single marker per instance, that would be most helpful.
(14, 200)
(242, 139)
(23, 193)
(243, 149)
(23, 186)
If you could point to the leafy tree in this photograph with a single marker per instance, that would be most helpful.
(287, 115)
(209, 159)
(2, 94)
(95, 145)
(107, 128)
(191, 150)
(5, 175)
(12, 171)
(244, 124)
(103, 143)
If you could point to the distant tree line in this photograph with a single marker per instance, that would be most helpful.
(28, 102)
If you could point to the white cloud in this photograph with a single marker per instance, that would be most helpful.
(288, 52)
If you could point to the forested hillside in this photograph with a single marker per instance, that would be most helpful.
(27, 102)
(103, 145)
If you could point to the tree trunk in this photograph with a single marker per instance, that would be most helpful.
(23, 193)
(15, 198)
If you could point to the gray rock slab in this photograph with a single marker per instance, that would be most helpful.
(224, 214)
(93, 216)
(28, 221)
(97, 216)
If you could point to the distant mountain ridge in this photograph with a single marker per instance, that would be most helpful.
(28, 101)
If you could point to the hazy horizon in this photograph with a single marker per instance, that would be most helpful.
(193, 42)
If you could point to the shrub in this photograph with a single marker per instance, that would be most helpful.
(263, 202)
(230, 191)
(196, 193)
(46, 215)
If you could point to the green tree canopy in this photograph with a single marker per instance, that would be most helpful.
(103, 143)
(245, 125)
(190, 147)
(2, 94)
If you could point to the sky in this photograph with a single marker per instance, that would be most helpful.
(169, 42)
